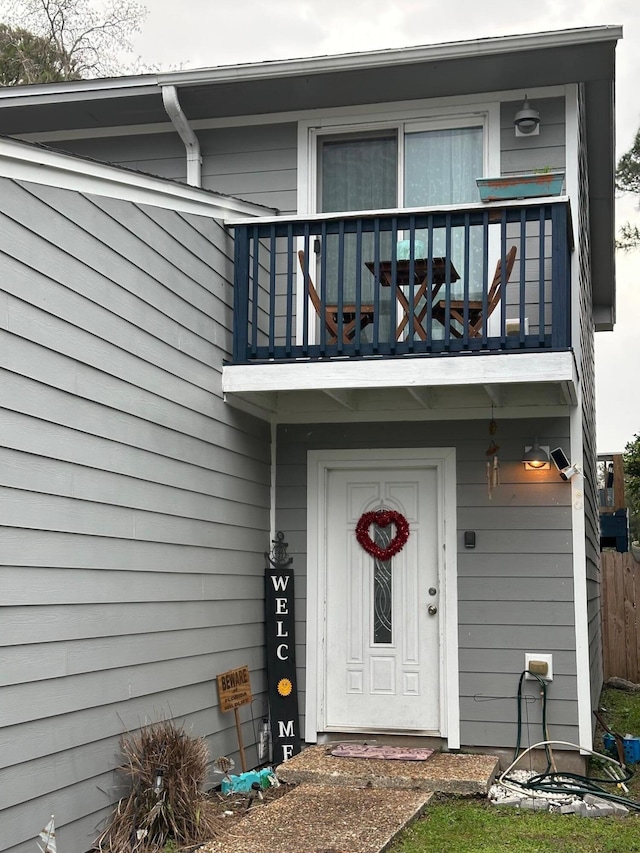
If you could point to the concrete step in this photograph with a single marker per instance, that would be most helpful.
(316, 818)
(443, 772)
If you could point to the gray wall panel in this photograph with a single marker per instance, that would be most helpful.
(526, 153)
(135, 502)
(257, 162)
(22, 433)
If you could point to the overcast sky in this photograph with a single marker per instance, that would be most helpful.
(204, 33)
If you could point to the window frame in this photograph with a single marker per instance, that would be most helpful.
(414, 118)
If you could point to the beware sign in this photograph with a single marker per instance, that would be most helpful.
(234, 688)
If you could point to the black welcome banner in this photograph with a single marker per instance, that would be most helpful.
(281, 655)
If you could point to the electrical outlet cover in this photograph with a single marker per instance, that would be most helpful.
(539, 656)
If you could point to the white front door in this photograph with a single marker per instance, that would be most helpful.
(383, 619)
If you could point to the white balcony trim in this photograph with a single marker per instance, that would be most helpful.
(398, 211)
(499, 369)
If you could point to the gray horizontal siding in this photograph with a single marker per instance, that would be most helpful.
(134, 501)
(515, 588)
(257, 163)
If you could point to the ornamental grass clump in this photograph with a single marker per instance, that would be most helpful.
(166, 770)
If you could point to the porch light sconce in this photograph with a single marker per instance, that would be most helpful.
(535, 458)
(527, 120)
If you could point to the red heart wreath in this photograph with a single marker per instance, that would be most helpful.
(383, 518)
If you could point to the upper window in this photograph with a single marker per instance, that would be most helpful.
(408, 165)
(441, 166)
(358, 172)
(404, 166)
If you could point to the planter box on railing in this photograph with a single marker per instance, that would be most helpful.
(531, 185)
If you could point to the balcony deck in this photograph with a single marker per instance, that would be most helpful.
(394, 298)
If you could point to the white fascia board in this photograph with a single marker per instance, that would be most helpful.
(464, 369)
(20, 161)
(392, 57)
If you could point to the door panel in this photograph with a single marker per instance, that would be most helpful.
(382, 647)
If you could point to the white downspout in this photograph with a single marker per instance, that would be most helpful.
(181, 124)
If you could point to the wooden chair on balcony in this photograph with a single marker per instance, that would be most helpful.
(352, 319)
(475, 317)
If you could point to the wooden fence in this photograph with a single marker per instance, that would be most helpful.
(620, 620)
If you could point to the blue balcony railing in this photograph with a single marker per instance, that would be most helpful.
(397, 283)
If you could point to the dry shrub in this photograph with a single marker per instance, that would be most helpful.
(151, 816)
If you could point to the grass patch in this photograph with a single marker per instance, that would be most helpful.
(621, 712)
(475, 826)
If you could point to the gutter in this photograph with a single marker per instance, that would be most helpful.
(180, 122)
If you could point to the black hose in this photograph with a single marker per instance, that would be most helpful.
(543, 685)
(560, 783)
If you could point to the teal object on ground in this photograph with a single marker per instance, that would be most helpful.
(243, 782)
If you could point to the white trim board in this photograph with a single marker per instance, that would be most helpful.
(319, 463)
(580, 604)
(465, 369)
(399, 211)
(24, 162)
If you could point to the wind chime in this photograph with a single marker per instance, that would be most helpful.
(493, 463)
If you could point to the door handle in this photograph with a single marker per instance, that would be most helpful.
(432, 610)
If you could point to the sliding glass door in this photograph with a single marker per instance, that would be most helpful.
(357, 173)
(408, 165)
(441, 167)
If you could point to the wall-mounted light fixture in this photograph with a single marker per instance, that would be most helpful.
(527, 120)
(535, 458)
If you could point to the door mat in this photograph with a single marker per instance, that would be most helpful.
(400, 753)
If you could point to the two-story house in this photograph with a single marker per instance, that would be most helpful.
(271, 297)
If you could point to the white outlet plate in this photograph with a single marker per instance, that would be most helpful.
(529, 656)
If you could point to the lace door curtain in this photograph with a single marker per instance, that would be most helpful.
(441, 167)
(357, 174)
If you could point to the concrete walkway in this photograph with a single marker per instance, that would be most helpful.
(351, 805)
